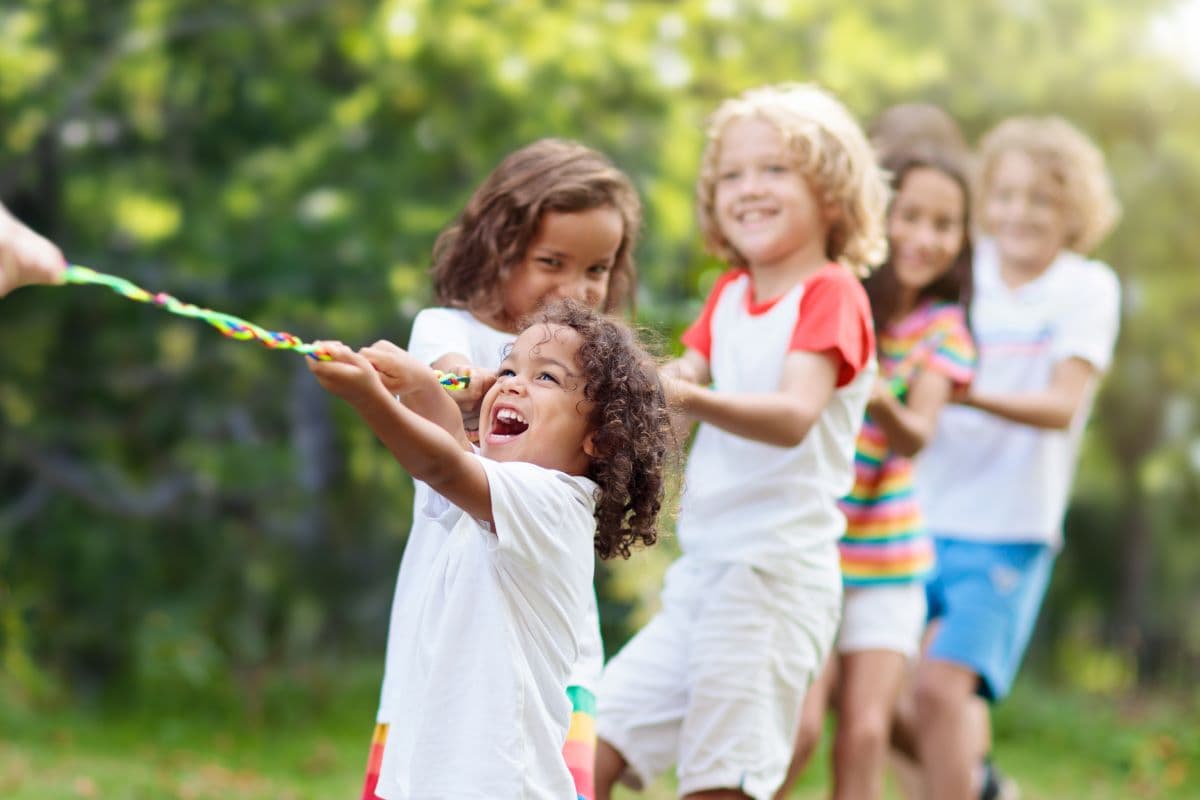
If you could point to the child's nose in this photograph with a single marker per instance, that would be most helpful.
(576, 290)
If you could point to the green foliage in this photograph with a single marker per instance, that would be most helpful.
(182, 510)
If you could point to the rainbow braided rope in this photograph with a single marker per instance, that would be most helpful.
(452, 382)
(227, 324)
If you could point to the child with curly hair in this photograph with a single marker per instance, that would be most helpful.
(995, 479)
(790, 195)
(573, 437)
(554, 219)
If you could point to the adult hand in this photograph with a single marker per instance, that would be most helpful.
(26, 257)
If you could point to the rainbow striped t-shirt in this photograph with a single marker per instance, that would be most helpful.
(885, 540)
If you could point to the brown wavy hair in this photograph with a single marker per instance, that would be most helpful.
(629, 422)
(476, 254)
(955, 285)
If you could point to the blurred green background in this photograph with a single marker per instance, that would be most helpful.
(191, 530)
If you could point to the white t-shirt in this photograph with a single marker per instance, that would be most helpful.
(984, 478)
(436, 332)
(493, 637)
(755, 503)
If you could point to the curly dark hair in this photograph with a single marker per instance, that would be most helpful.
(630, 425)
(476, 254)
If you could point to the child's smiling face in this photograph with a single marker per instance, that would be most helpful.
(571, 257)
(537, 412)
(764, 206)
(926, 227)
(1024, 210)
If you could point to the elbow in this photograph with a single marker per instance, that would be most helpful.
(1060, 422)
(796, 429)
(910, 447)
(1060, 418)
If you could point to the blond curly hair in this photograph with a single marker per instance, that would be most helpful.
(1070, 159)
(831, 152)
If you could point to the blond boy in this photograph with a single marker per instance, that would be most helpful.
(790, 195)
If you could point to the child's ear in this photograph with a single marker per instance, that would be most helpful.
(832, 213)
(589, 444)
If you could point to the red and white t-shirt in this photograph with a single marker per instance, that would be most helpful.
(756, 503)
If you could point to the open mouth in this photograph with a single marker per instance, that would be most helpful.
(508, 422)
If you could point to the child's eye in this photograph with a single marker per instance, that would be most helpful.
(551, 261)
(505, 372)
(729, 175)
(547, 376)
(599, 269)
(777, 169)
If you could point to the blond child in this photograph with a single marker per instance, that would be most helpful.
(994, 481)
(554, 220)
(790, 195)
(573, 435)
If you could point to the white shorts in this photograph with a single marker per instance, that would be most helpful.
(883, 618)
(714, 683)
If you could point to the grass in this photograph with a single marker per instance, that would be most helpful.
(1058, 744)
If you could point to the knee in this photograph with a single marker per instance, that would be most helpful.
(937, 699)
(863, 737)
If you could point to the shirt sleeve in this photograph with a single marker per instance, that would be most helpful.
(835, 317)
(438, 331)
(1088, 328)
(541, 516)
(698, 336)
(433, 507)
(952, 348)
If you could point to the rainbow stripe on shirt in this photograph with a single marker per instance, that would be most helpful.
(885, 540)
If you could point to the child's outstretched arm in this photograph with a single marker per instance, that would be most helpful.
(1054, 407)
(423, 446)
(781, 417)
(407, 378)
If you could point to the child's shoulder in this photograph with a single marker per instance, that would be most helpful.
(836, 281)
(939, 313)
(1079, 276)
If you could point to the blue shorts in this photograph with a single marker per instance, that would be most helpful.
(985, 598)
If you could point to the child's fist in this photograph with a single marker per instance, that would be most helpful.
(348, 375)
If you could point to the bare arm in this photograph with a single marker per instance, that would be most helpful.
(25, 257)
(406, 377)
(428, 449)
(1054, 407)
(781, 417)
(691, 367)
(909, 426)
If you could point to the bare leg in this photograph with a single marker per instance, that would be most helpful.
(609, 766)
(906, 767)
(948, 750)
(870, 683)
(812, 721)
